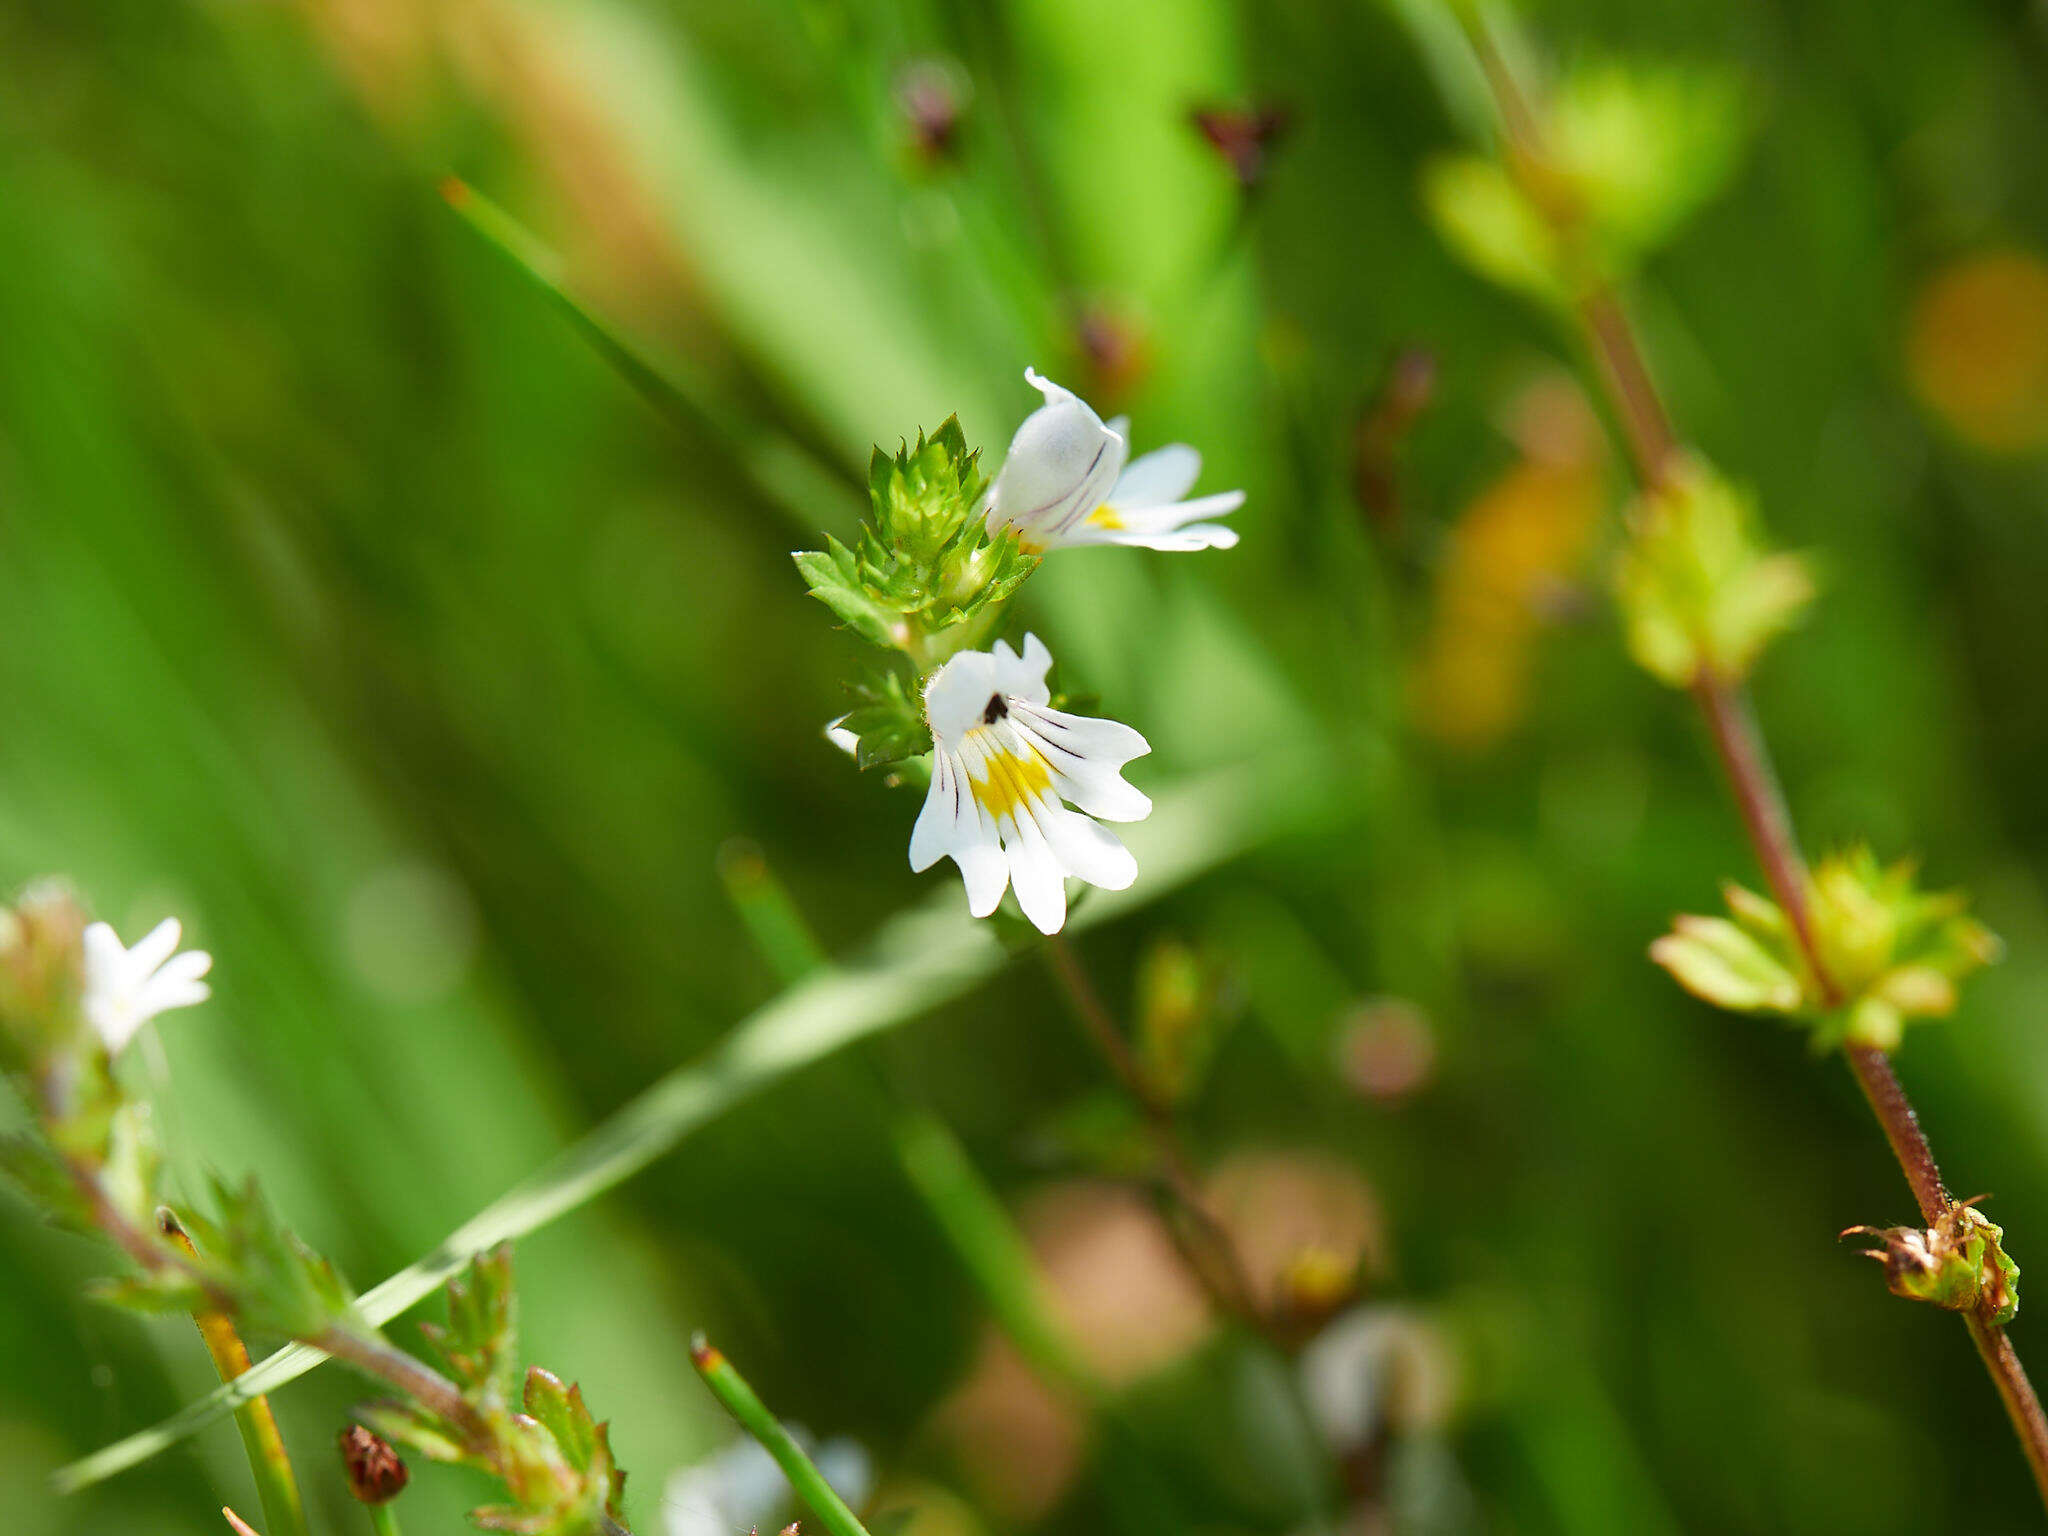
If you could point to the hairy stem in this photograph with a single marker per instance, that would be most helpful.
(1652, 444)
(383, 1361)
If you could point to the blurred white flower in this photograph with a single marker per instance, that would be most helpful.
(1002, 763)
(740, 1488)
(126, 988)
(1066, 481)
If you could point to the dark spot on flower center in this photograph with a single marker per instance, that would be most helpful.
(995, 711)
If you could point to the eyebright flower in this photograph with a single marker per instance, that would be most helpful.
(126, 988)
(1002, 762)
(1066, 481)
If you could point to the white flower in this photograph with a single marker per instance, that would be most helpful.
(740, 1487)
(1065, 481)
(126, 988)
(1001, 764)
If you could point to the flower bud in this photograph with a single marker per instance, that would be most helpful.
(375, 1473)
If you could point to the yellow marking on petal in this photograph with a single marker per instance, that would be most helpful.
(1105, 516)
(1013, 782)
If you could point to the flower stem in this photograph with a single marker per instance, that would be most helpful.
(1652, 443)
(277, 1487)
(384, 1519)
(383, 1361)
(740, 1400)
(1201, 1239)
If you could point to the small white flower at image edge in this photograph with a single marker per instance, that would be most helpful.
(126, 988)
(1069, 480)
(1003, 761)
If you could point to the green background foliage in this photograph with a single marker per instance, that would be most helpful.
(359, 612)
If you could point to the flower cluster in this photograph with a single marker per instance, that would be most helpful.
(1887, 952)
(1018, 789)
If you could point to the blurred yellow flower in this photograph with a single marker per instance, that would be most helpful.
(1977, 349)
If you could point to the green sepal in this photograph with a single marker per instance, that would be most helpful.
(280, 1284)
(415, 1428)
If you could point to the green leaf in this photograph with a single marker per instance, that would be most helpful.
(916, 961)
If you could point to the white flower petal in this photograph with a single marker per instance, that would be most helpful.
(105, 956)
(840, 737)
(1172, 540)
(1060, 467)
(1085, 755)
(1088, 850)
(1022, 677)
(156, 946)
(954, 825)
(1035, 874)
(1156, 478)
(957, 697)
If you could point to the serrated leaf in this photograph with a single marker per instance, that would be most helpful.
(477, 1343)
(561, 1412)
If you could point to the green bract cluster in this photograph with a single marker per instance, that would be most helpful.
(1888, 952)
(1621, 158)
(1700, 595)
(924, 572)
(554, 1457)
(924, 579)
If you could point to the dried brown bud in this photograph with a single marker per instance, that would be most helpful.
(932, 94)
(375, 1474)
(1243, 136)
(1959, 1263)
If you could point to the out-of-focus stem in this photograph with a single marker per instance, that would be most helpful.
(994, 1252)
(383, 1519)
(277, 1487)
(1203, 1243)
(740, 1400)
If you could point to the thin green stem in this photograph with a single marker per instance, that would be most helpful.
(739, 1400)
(384, 1519)
(277, 1486)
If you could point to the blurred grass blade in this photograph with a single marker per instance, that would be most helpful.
(992, 1249)
(782, 470)
(918, 960)
(774, 922)
(741, 1401)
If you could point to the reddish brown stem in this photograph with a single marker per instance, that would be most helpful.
(2021, 1402)
(1652, 444)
